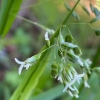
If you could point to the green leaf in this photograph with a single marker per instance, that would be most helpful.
(50, 94)
(97, 32)
(93, 20)
(8, 8)
(86, 10)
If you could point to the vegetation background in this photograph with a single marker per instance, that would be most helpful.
(25, 40)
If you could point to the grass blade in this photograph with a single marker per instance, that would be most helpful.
(8, 7)
(50, 94)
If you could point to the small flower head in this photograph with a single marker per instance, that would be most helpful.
(22, 64)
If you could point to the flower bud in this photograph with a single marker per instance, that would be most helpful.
(68, 38)
(66, 78)
(68, 72)
(61, 38)
(54, 65)
(77, 51)
(54, 73)
(69, 45)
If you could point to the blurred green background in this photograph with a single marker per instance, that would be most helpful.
(25, 39)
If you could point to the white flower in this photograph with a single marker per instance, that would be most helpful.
(76, 96)
(60, 78)
(88, 61)
(22, 64)
(80, 61)
(46, 36)
(86, 84)
(77, 78)
(70, 93)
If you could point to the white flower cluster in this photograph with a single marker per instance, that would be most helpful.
(68, 76)
(65, 73)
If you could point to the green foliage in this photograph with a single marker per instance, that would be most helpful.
(60, 49)
(8, 8)
(50, 94)
(33, 75)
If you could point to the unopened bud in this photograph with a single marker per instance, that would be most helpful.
(54, 65)
(54, 73)
(68, 38)
(77, 51)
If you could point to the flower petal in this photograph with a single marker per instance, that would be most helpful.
(86, 84)
(20, 69)
(27, 66)
(17, 61)
(46, 36)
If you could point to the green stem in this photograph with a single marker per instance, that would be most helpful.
(64, 22)
(94, 63)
